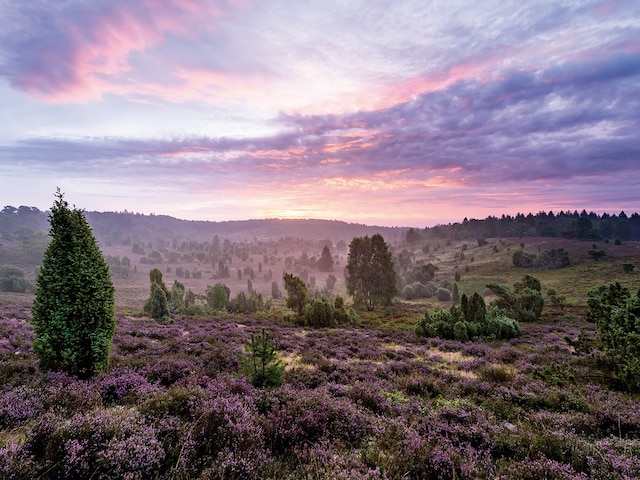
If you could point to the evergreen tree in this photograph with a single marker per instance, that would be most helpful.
(261, 363)
(159, 305)
(218, 296)
(73, 310)
(296, 293)
(176, 304)
(325, 264)
(370, 273)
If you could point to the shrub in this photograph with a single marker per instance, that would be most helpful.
(524, 303)
(73, 310)
(522, 259)
(159, 306)
(339, 312)
(443, 294)
(14, 279)
(320, 313)
(261, 363)
(226, 441)
(218, 296)
(176, 305)
(243, 303)
(296, 293)
(469, 320)
(617, 315)
(408, 292)
(100, 444)
(437, 323)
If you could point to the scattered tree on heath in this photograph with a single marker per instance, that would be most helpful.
(325, 264)
(296, 293)
(370, 274)
(73, 310)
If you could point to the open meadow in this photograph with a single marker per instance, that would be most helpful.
(371, 400)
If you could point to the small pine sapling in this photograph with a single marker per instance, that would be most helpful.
(261, 363)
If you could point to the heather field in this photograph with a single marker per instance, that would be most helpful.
(367, 401)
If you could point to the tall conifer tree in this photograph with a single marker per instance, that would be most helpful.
(73, 310)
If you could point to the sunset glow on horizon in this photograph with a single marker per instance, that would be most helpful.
(405, 113)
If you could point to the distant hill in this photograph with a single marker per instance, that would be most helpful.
(116, 227)
(119, 227)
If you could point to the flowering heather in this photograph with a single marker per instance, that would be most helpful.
(356, 402)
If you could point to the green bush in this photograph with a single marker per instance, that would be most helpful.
(218, 296)
(14, 279)
(320, 313)
(261, 363)
(176, 305)
(471, 319)
(524, 303)
(158, 305)
(617, 315)
(243, 303)
(340, 313)
(73, 310)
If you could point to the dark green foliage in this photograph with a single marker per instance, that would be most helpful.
(155, 277)
(320, 313)
(529, 282)
(523, 259)
(218, 296)
(73, 310)
(331, 282)
(628, 267)
(437, 323)
(557, 301)
(423, 273)
(176, 305)
(583, 229)
(547, 260)
(617, 315)
(296, 293)
(551, 259)
(370, 275)
(261, 363)
(339, 310)
(604, 299)
(474, 310)
(524, 303)
(14, 279)
(243, 303)
(325, 264)
(471, 319)
(159, 305)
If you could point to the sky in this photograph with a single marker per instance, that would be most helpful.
(394, 113)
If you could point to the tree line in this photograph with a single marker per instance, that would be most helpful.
(582, 226)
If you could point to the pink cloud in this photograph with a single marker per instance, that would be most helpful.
(86, 46)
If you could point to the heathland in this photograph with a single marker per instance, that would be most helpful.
(368, 397)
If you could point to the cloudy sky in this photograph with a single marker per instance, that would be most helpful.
(399, 112)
